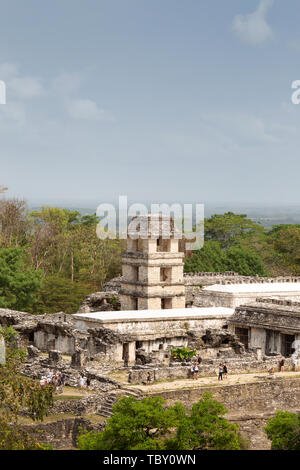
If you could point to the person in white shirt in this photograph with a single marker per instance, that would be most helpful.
(81, 382)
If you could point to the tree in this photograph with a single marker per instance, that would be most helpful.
(13, 222)
(135, 425)
(58, 294)
(206, 429)
(245, 261)
(60, 219)
(65, 244)
(18, 392)
(18, 285)
(230, 228)
(148, 424)
(213, 258)
(284, 431)
(210, 258)
(285, 242)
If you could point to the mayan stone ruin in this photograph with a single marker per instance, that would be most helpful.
(126, 333)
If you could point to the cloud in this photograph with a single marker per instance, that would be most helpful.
(67, 83)
(12, 111)
(230, 134)
(8, 70)
(245, 130)
(87, 110)
(18, 86)
(25, 87)
(253, 28)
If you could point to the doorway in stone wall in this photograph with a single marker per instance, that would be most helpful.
(166, 303)
(287, 341)
(243, 335)
(125, 350)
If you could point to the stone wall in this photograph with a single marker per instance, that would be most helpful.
(206, 298)
(260, 397)
(229, 277)
(208, 368)
(61, 434)
(155, 327)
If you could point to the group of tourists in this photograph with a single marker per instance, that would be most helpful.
(56, 379)
(222, 371)
(84, 382)
(195, 367)
(281, 365)
(194, 371)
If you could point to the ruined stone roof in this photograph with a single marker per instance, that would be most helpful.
(155, 315)
(271, 314)
(154, 226)
(266, 287)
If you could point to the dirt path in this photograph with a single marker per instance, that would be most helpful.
(210, 381)
(74, 392)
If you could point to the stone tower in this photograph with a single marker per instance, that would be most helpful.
(152, 266)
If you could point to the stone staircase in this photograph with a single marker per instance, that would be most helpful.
(113, 397)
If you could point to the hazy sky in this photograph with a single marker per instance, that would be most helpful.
(164, 100)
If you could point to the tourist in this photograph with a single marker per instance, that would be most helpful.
(220, 377)
(43, 381)
(192, 371)
(58, 383)
(225, 370)
(148, 378)
(199, 359)
(53, 381)
(88, 383)
(271, 371)
(281, 364)
(196, 371)
(63, 379)
(81, 382)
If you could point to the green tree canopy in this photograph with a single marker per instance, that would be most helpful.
(148, 424)
(213, 258)
(18, 392)
(18, 284)
(134, 425)
(285, 242)
(59, 294)
(284, 431)
(206, 428)
(60, 219)
(230, 228)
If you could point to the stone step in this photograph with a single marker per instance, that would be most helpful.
(105, 410)
(130, 393)
(136, 392)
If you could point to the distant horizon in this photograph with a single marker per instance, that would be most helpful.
(267, 214)
(93, 203)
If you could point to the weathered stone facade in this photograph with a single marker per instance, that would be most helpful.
(153, 330)
(232, 295)
(152, 268)
(101, 302)
(273, 325)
